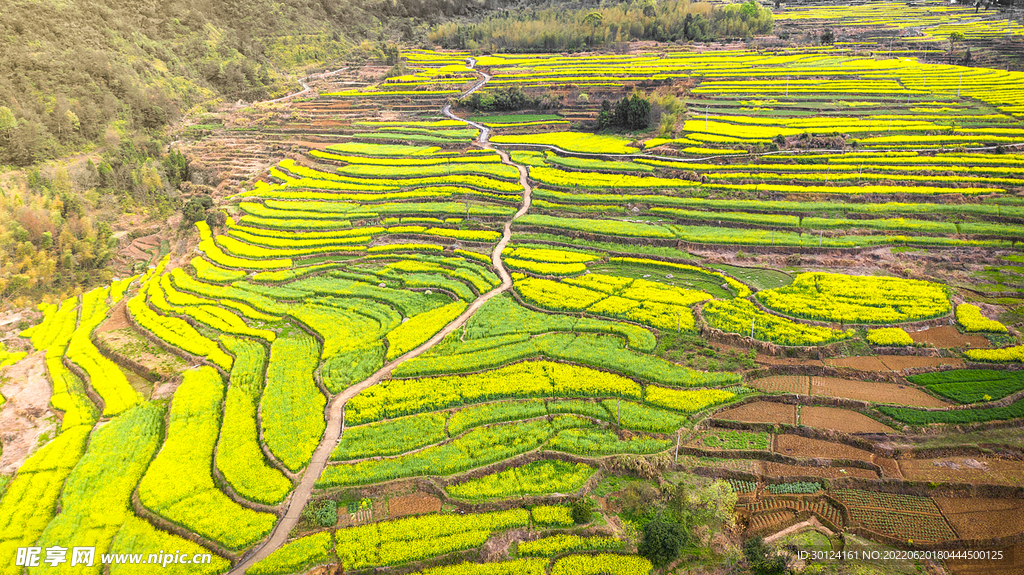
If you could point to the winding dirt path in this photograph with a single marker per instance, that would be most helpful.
(335, 410)
(305, 87)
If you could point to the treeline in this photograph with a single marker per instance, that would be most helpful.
(509, 99)
(561, 29)
(49, 244)
(69, 70)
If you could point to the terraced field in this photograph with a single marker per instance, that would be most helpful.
(421, 313)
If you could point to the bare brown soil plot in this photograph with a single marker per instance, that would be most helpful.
(783, 383)
(947, 337)
(761, 412)
(413, 504)
(985, 470)
(873, 391)
(901, 362)
(772, 469)
(27, 413)
(859, 362)
(842, 420)
(797, 446)
(890, 469)
(983, 518)
(117, 319)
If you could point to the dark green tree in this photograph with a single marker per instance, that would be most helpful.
(605, 118)
(194, 210)
(176, 167)
(506, 100)
(216, 219)
(632, 113)
(955, 37)
(638, 113)
(581, 511)
(662, 541)
(391, 54)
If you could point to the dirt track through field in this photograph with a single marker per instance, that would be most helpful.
(335, 410)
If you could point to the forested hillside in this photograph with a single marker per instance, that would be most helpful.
(557, 28)
(69, 68)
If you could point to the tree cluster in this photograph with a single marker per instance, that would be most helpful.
(194, 210)
(508, 99)
(561, 29)
(677, 517)
(630, 113)
(56, 221)
(47, 241)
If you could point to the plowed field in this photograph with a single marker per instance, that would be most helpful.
(874, 392)
(1011, 564)
(796, 446)
(761, 412)
(964, 470)
(859, 362)
(871, 391)
(983, 518)
(841, 420)
(784, 470)
(783, 384)
(890, 469)
(891, 362)
(948, 336)
(413, 504)
(901, 362)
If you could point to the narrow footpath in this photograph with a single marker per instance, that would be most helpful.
(335, 410)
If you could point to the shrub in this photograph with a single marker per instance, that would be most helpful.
(662, 541)
(762, 558)
(582, 511)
